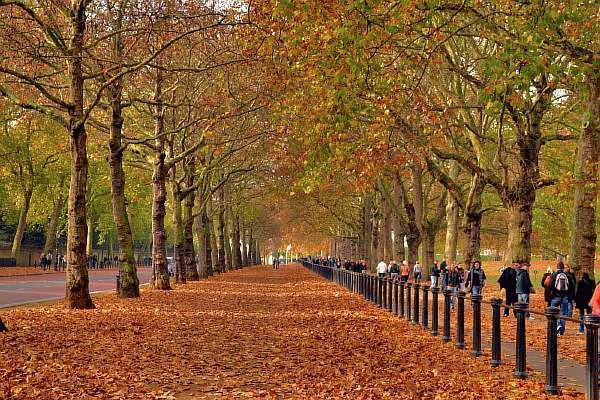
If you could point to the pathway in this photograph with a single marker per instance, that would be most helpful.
(251, 333)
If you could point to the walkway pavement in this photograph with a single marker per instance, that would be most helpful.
(18, 290)
(252, 333)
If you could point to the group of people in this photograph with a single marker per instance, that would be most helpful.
(47, 260)
(561, 290)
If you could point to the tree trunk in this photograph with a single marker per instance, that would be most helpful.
(130, 285)
(583, 243)
(250, 247)
(386, 230)
(227, 239)
(520, 216)
(188, 222)
(428, 249)
(451, 219)
(89, 243)
(237, 254)
(57, 208)
(179, 251)
(244, 245)
(16, 246)
(214, 249)
(200, 232)
(77, 280)
(367, 235)
(472, 220)
(220, 216)
(160, 272)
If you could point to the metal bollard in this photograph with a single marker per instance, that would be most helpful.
(425, 312)
(446, 336)
(396, 296)
(592, 323)
(496, 340)
(384, 293)
(401, 303)
(460, 321)
(408, 301)
(476, 302)
(380, 296)
(551, 387)
(415, 320)
(435, 291)
(521, 350)
(389, 283)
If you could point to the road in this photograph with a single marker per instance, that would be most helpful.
(16, 290)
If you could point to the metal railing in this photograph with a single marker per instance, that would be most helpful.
(409, 300)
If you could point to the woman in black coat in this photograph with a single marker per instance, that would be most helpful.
(583, 295)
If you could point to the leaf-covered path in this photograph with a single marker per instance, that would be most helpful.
(252, 333)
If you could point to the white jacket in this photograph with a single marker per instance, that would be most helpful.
(382, 267)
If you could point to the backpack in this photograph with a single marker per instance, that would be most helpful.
(561, 284)
(395, 269)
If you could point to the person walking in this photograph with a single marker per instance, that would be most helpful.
(524, 285)
(546, 285)
(394, 270)
(453, 281)
(417, 272)
(561, 284)
(381, 269)
(476, 279)
(583, 295)
(435, 274)
(404, 271)
(443, 272)
(508, 282)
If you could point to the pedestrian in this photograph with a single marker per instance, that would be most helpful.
(404, 271)
(546, 285)
(381, 269)
(561, 284)
(476, 278)
(524, 285)
(453, 281)
(435, 274)
(443, 271)
(43, 261)
(417, 272)
(595, 301)
(394, 270)
(583, 295)
(463, 277)
(508, 282)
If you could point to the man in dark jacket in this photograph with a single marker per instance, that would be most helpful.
(508, 282)
(561, 288)
(524, 285)
(583, 295)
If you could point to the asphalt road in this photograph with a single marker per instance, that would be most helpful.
(17, 290)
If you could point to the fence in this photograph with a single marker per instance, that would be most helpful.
(410, 301)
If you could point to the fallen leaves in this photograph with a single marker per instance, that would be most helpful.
(254, 333)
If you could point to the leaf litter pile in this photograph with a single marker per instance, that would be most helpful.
(251, 333)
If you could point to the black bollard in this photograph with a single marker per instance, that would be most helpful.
(425, 312)
(521, 350)
(381, 298)
(396, 296)
(592, 323)
(389, 284)
(415, 320)
(435, 291)
(401, 303)
(476, 302)
(460, 320)
(408, 301)
(496, 341)
(551, 387)
(446, 336)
